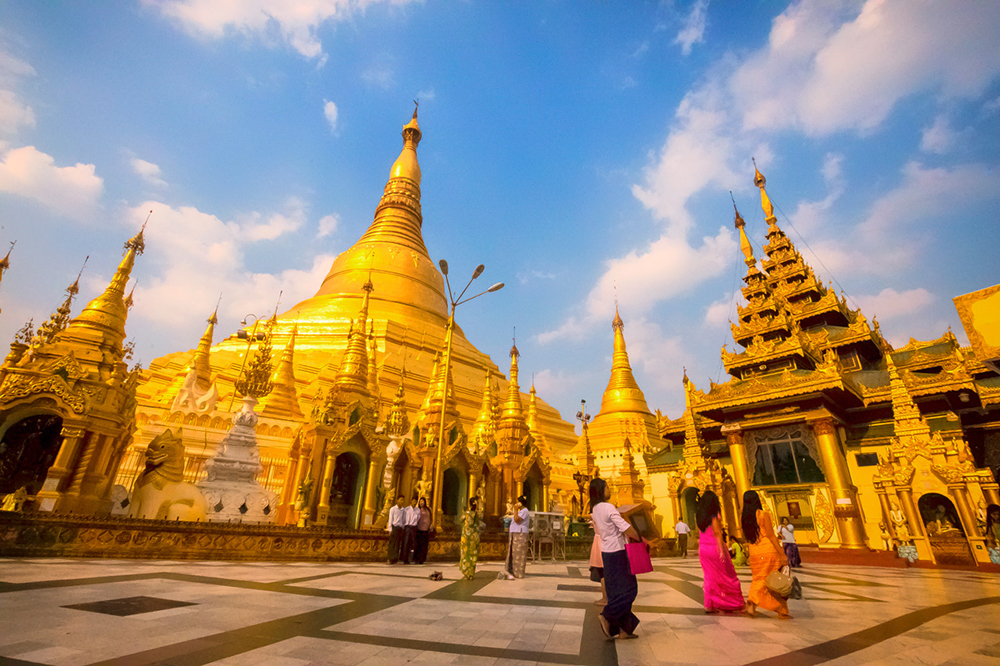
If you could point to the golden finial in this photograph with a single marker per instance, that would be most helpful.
(745, 245)
(137, 242)
(129, 300)
(617, 324)
(685, 380)
(765, 201)
(513, 345)
(214, 319)
(5, 262)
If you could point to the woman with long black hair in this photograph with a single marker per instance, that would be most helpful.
(517, 542)
(619, 583)
(722, 587)
(766, 555)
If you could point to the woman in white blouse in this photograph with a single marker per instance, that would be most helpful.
(517, 544)
(619, 582)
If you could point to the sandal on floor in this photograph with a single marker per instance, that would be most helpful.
(606, 628)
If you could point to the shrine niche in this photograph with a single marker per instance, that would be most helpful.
(944, 530)
(345, 491)
(27, 450)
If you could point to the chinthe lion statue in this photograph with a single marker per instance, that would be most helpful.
(160, 491)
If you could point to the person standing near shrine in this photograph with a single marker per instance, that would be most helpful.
(469, 545)
(396, 527)
(766, 555)
(722, 587)
(410, 532)
(682, 537)
(620, 584)
(423, 531)
(517, 541)
(787, 533)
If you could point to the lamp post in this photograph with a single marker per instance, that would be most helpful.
(250, 336)
(583, 477)
(455, 302)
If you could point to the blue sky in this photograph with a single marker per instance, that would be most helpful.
(578, 149)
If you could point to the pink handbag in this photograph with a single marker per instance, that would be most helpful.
(638, 558)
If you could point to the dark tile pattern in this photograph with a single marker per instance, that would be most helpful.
(129, 606)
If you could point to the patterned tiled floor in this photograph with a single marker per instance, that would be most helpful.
(65, 612)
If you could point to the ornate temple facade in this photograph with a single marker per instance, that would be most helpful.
(359, 390)
(858, 444)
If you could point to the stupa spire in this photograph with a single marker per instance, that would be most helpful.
(57, 320)
(202, 354)
(396, 423)
(353, 374)
(745, 245)
(485, 425)
(107, 313)
(512, 407)
(623, 393)
(283, 400)
(765, 201)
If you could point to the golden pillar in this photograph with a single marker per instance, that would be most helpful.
(323, 509)
(883, 501)
(545, 494)
(910, 509)
(371, 484)
(473, 484)
(845, 495)
(991, 492)
(965, 512)
(61, 468)
(738, 453)
(290, 491)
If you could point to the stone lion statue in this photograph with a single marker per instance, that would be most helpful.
(160, 491)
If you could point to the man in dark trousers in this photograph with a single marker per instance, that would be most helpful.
(410, 533)
(397, 529)
(682, 537)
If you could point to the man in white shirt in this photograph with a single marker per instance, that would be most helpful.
(682, 537)
(396, 527)
(410, 531)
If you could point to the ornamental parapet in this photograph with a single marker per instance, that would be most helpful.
(779, 385)
(760, 325)
(761, 351)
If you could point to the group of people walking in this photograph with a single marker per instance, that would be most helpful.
(764, 553)
(409, 531)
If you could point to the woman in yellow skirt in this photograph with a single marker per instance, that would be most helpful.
(765, 555)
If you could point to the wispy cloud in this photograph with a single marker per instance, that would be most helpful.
(72, 191)
(331, 113)
(14, 111)
(148, 171)
(693, 30)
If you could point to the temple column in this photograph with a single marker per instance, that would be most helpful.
(883, 500)
(738, 453)
(473, 484)
(61, 469)
(371, 484)
(323, 509)
(545, 494)
(965, 512)
(289, 492)
(910, 509)
(991, 492)
(845, 498)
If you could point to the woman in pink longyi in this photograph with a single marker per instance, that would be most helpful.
(722, 587)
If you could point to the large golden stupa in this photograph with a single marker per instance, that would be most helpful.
(386, 297)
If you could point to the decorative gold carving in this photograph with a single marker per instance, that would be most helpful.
(824, 516)
(21, 386)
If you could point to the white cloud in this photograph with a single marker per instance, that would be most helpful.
(14, 112)
(426, 95)
(718, 313)
(72, 190)
(890, 304)
(295, 23)
(886, 241)
(328, 225)
(276, 224)
(330, 111)
(380, 75)
(189, 251)
(810, 216)
(693, 30)
(829, 67)
(524, 277)
(150, 172)
(938, 138)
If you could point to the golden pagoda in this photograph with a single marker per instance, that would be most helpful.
(829, 424)
(382, 303)
(623, 434)
(67, 401)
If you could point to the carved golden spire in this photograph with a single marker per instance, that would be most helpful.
(353, 374)
(623, 393)
(512, 407)
(372, 364)
(745, 245)
(485, 426)
(693, 443)
(107, 313)
(765, 201)
(283, 401)
(532, 409)
(425, 406)
(396, 423)
(255, 382)
(201, 363)
(909, 422)
(57, 320)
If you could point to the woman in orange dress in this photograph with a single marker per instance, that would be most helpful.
(766, 555)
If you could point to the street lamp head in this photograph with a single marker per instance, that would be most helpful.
(243, 322)
(497, 287)
(479, 271)
(444, 266)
